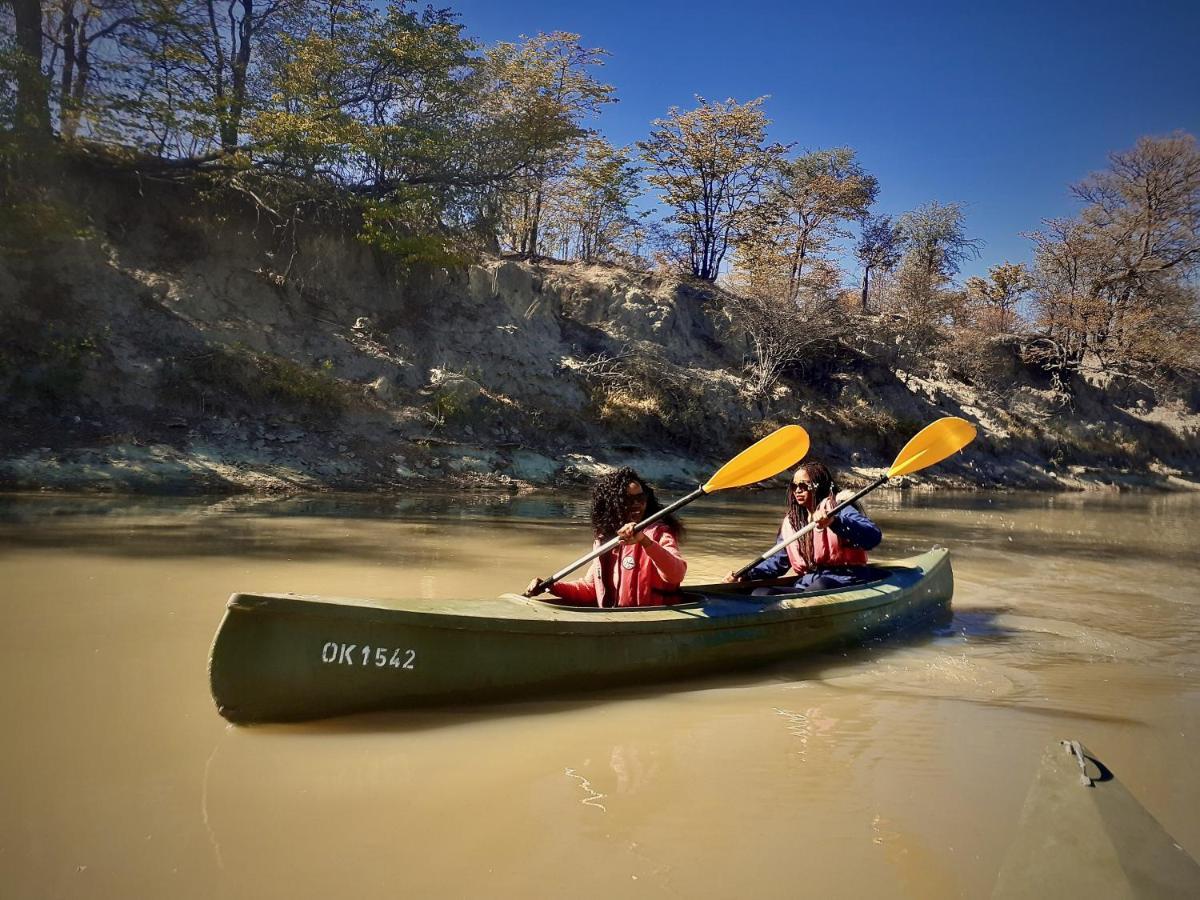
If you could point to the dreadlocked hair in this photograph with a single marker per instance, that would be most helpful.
(608, 504)
(798, 516)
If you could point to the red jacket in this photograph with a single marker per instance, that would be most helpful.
(647, 575)
(828, 548)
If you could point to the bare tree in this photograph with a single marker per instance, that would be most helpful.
(879, 248)
(804, 207)
(999, 295)
(782, 335)
(1116, 290)
(81, 30)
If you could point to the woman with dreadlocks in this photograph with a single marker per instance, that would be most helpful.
(832, 555)
(645, 569)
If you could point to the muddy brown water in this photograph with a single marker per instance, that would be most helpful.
(895, 769)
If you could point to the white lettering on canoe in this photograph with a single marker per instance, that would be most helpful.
(368, 656)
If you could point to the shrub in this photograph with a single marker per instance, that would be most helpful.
(228, 378)
(51, 369)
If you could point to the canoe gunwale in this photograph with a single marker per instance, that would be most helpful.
(731, 610)
(741, 592)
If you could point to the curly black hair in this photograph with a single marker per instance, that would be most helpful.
(608, 504)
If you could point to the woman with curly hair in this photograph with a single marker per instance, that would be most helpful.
(832, 555)
(645, 569)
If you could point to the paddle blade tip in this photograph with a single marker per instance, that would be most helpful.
(764, 459)
(932, 444)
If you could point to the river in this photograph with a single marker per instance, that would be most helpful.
(895, 769)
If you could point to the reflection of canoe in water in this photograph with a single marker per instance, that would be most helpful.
(1082, 834)
(280, 657)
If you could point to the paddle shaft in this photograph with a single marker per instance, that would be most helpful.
(741, 573)
(609, 544)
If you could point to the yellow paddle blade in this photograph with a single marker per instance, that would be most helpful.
(932, 444)
(770, 456)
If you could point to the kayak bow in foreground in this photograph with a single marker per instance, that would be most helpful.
(1082, 834)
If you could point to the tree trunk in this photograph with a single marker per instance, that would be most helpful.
(68, 118)
(535, 223)
(520, 226)
(865, 286)
(79, 91)
(798, 260)
(218, 69)
(231, 125)
(33, 100)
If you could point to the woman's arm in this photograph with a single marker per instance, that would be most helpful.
(772, 567)
(663, 550)
(578, 593)
(856, 528)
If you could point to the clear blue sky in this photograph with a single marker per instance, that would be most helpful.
(997, 105)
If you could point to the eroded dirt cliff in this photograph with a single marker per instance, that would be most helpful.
(165, 342)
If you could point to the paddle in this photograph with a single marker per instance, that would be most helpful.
(930, 445)
(777, 451)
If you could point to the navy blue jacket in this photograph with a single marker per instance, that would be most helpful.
(849, 524)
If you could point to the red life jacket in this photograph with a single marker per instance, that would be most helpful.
(828, 549)
(650, 577)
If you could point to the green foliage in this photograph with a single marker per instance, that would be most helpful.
(287, 381)
(339, 92)
(32, 216)
(544, 89)
(450, 403)
(382, 100)
(28, 225)
(49, 369)
(936, 242)
(10, 61)
(587, 211)
(709, 164)
(382, 115)
(386, 227)
(803, 208)
(447, 408)
(232, 379)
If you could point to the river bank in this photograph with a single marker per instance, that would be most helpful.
(268, 462)
(170, 343)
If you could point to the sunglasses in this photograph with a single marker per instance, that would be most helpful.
(809, 486)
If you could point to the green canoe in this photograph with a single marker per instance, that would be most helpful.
(283, 657)
(1082, 834)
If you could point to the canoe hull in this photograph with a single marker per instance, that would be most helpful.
(285, 658)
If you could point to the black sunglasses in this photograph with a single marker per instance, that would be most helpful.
(809, 486)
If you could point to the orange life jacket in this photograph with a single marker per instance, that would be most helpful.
(643, 576)
(828, 549)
